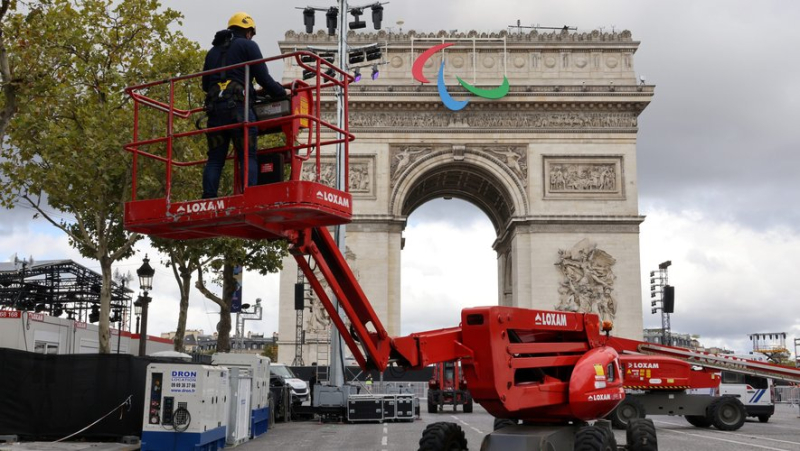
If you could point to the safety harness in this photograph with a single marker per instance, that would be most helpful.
(224, 93)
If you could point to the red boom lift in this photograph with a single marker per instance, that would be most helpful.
(448, 386)
(553, 371)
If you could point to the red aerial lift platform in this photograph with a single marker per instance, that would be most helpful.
(275, 209)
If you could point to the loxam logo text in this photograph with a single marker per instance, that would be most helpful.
(550, 319)
(643, 365)
(334, 199)
(600, 397)
(208, 205)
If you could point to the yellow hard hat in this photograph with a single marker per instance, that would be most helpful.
(242, 20)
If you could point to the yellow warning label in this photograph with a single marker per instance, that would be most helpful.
(599, 370)
(303, 109)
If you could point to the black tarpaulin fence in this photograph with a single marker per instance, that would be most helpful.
(48, 397)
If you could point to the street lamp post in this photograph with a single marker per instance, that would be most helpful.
(145, 273)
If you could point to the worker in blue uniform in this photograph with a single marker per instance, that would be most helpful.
(225, 99)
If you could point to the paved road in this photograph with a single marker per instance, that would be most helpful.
(782, 433)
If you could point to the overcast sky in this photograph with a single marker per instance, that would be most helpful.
(717, 164)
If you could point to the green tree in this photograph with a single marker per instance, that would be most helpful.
(261, 256)
(271, 351)
(8, 82)
(70, 61)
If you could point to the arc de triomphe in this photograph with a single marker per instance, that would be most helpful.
(552, 164)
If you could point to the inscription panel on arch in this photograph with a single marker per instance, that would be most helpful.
(571, 177)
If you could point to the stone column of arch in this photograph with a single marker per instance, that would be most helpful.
(552, 165)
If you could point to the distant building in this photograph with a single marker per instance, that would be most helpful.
(251, 344)
(189, 339)
(683, 341)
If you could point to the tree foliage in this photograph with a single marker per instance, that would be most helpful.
(70, 61)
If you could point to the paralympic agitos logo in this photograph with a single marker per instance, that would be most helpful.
(448, 100)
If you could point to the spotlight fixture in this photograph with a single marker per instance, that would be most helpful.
(374, 54)
(331, 18)
(377, 16)
(357, 75)
(308, 19)
(375, 72)
(94, 316)
(356, 57)
(308, 74)
(330, 73)
(357, 22)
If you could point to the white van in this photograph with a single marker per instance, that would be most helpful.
(299, 387)
(756, 393)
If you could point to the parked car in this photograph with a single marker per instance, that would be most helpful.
(284, 376)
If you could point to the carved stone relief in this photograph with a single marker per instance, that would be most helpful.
(493, 120)
(361, 174)
(570, 177)
(587, 280)
(515, 158)
(403, 157)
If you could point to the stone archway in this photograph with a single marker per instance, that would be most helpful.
(475, 174)
(553, 166)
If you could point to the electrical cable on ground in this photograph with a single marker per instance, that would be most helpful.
(126, 402)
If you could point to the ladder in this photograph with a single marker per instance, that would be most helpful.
(323, 344)
(724, 362)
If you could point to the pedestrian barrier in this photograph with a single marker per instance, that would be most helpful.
(787, 395)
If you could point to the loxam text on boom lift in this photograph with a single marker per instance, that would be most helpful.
(557, 373)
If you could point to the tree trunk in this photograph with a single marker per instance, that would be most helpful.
(180, 333)
(224, 325)
(104, 330)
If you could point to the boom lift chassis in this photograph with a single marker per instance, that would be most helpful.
(553, 372)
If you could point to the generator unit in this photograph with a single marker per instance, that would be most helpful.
(257, 368)
(186, 407)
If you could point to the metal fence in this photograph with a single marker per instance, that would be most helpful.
(418, 389)
(787, 395)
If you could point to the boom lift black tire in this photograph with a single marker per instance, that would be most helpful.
(500, 423)
(727, 413)
(698, 421)
(593, 438)
(641, 435)
(468, 406)
(443, 436)
(764, 418)
(628, 409)
(432, 406)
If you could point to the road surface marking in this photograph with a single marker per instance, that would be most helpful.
(753, 436)
(722, 439)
